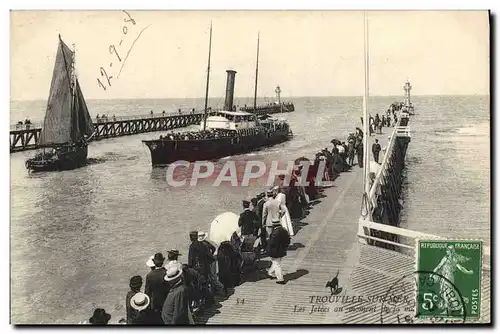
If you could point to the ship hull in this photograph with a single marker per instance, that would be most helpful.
(68, 160)
(164, 152)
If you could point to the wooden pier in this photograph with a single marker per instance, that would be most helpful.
(326, 242)
(331, 240)
(26, 137)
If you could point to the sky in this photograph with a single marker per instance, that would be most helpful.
(308, 53)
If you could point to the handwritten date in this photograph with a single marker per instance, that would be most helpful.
(104, 80)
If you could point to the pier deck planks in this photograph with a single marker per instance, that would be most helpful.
(327, 242)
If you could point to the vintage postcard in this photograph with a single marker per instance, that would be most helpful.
(249, 167)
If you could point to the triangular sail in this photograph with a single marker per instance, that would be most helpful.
(84, 125)
(67, 118)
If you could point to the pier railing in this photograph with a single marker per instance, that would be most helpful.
(406, 238)
(38, 125)
(379, 227)
(399, 131)
(108, 119)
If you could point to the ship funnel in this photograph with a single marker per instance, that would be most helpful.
(231, 75)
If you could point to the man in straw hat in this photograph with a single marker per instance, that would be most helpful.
(145, 315)
(176, 310)
(155, 287)
(279, 241)
(172, 258)
(135, 287)
(199, 256)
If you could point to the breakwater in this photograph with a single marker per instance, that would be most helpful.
(271, 108)
(28, 138)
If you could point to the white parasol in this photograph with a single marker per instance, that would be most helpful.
(223, 227)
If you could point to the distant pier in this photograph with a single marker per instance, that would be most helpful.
(111, 127)
(271, 108)
(25, 137)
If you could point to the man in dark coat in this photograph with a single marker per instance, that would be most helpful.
(199, 257)
(359, 152)
(276, 249)
(350, 152)
(135, 287)
(176, 310)
(376, 150)
(260, 209)
(156, 287)
(261, 199)
(248, 221)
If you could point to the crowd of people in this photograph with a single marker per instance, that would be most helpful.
(27, 124)
(174, 291)
(198, 135)
(220, 133)
(377, 123)
(105, 118)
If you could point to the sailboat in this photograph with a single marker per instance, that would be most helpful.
(67, 124)
(222, 133)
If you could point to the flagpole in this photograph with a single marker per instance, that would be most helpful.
(256, 75)
(366, 119)
(208, 78)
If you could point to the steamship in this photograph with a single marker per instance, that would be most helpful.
(223, 133)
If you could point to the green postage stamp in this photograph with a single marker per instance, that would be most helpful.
(449, 278)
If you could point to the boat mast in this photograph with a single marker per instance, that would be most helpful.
(208, 77)
(256, 75)
(366, 119)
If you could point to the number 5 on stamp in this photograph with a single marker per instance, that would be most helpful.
(449, 278)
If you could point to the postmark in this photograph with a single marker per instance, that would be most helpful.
(401, 302)
(453, 288)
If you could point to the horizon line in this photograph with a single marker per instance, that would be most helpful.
(283, 98)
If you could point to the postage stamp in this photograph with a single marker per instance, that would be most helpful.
(452, 284)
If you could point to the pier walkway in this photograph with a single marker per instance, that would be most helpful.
(326, 242)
